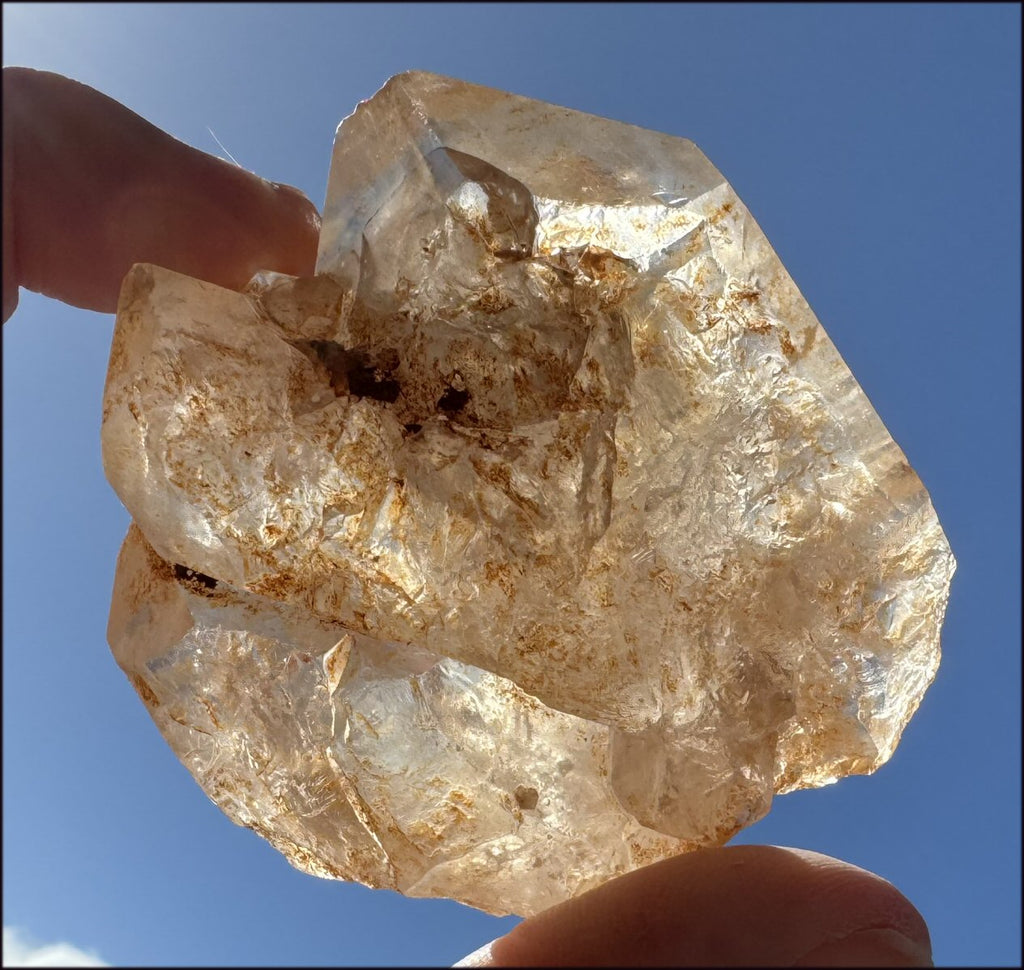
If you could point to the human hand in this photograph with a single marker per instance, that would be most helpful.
(737, 906)
(91, 188)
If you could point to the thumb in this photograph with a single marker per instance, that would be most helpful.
(734, 906)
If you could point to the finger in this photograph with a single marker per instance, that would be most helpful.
(91, 188)
(734, 906)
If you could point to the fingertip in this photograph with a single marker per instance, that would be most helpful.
(868, 948)
(850, 895)
(10, 300)
(303, 217)
(98, 188)
(298, 201)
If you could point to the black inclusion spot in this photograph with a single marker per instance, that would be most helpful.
(367, 381)
(453, 400)
(414, 428)
(352, 372)
(193, 577)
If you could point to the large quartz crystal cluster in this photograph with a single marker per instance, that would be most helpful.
(542, 534)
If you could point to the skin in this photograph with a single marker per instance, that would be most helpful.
(89, 189)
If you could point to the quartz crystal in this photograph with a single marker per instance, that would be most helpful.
(542, 534)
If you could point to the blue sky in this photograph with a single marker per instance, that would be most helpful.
(877, 146)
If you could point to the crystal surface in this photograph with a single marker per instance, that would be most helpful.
(541, 535)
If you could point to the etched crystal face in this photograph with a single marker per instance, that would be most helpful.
(541, 535)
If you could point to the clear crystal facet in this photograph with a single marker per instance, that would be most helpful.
(543, 534)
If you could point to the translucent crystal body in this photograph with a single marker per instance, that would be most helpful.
(541, 535)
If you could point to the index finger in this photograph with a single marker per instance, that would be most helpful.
(91, 188)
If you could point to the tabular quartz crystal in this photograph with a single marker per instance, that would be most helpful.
(542, 534)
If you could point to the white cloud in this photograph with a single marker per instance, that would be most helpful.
(19, 951)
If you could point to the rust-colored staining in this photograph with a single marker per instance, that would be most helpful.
(225, 790)
(205, 701)
(501, 573)
(194, 580)
(453, 813)
(144, 691)
(281, 585)
(541, 641)
(572, 438)
(810, 336)
(146, 584)
(695, 312)
(720, 213)
(499, 475)
(643, 854)
(664, 578)
(308, 860)
(855, 625)
(325, 869)
(178, 718)
(426, 832)
(611, 276)
(369, 725)
(597, 263)
(493, 300)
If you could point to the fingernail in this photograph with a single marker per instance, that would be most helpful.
(478, 958)
(868, 948)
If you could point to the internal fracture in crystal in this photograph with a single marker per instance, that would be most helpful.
(541, 535)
